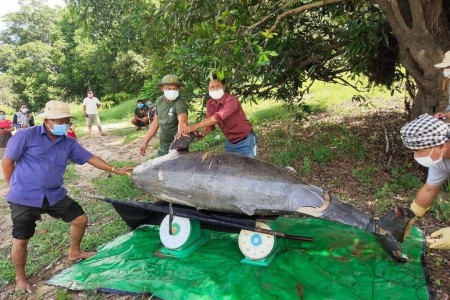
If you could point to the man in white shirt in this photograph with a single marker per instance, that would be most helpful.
(429, 138)
(90, 109)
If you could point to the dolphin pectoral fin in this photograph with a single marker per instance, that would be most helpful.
(245, 208)
(182, 144)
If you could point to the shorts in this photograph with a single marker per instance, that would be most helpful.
(93, 119)
(24, 217)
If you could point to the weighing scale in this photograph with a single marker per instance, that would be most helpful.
(183, 238)
(258, 248)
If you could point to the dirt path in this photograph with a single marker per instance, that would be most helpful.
(110, 148)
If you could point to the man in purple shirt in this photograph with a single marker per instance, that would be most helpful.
(33, 166)
(225, 110)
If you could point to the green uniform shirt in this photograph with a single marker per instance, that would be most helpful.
(168, 113)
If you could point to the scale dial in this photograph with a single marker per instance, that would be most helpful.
(255, 245)
(181, 230)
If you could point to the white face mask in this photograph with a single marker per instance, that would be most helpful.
(24, 110)
(171, 95)
(446, 73)
(427, 161)
(217, 94)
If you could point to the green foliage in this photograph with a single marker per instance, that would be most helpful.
(128, 46)
(364, 175)
(7, 97)
(123, 111)
(6, 268)
(119, 186)
(348, 143)
(441, 208)
(130, 69)
(410, 181)
(63, 294)
(284, 158)
(386, 191)
(277, 112)
(400, 180)
(323, 155)
(111, 100)
(213, 140)
(70, 174)
(306, 167)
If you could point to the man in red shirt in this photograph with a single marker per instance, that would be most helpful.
(225, 110)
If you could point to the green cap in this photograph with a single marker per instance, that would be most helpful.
(170, 80)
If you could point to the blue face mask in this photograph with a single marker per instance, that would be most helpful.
(2, 117)
(59, 129)
(140, 105)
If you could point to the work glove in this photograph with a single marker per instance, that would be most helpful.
(440, 239)
(418, 211)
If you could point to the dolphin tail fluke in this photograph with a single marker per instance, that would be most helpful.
(391, 229)
(396, 221)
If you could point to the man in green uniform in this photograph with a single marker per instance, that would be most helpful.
(171, 115)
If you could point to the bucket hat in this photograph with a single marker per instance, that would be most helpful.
(55, 109)
(170, 80)
(445, 62)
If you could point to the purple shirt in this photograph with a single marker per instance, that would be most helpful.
(40, 164)
(230, 117)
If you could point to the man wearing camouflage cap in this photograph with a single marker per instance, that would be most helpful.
(171, 115)
(429, 138)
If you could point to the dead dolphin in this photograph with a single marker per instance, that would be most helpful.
(238, 184)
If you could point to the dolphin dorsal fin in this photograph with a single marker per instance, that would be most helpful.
(182, 144)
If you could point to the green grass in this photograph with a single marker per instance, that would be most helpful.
(70, 175)
(330, 141)
(328, 96)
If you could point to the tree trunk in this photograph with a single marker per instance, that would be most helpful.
(420, 28)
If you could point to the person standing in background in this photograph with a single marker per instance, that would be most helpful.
(23, 118)
(445, 66)
(6, 127)
(90, 109)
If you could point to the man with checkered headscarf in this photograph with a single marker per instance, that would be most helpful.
(429, 138)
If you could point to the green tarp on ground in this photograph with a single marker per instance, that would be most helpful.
(342, 263)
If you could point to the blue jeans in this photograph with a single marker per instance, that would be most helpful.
(245, 147)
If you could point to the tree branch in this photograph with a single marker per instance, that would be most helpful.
(417, 14)
(398, 16)
(300, 9)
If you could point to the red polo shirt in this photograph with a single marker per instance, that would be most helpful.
(230, 117)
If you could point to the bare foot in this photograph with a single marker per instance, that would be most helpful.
(80, 255)
(22, 285)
